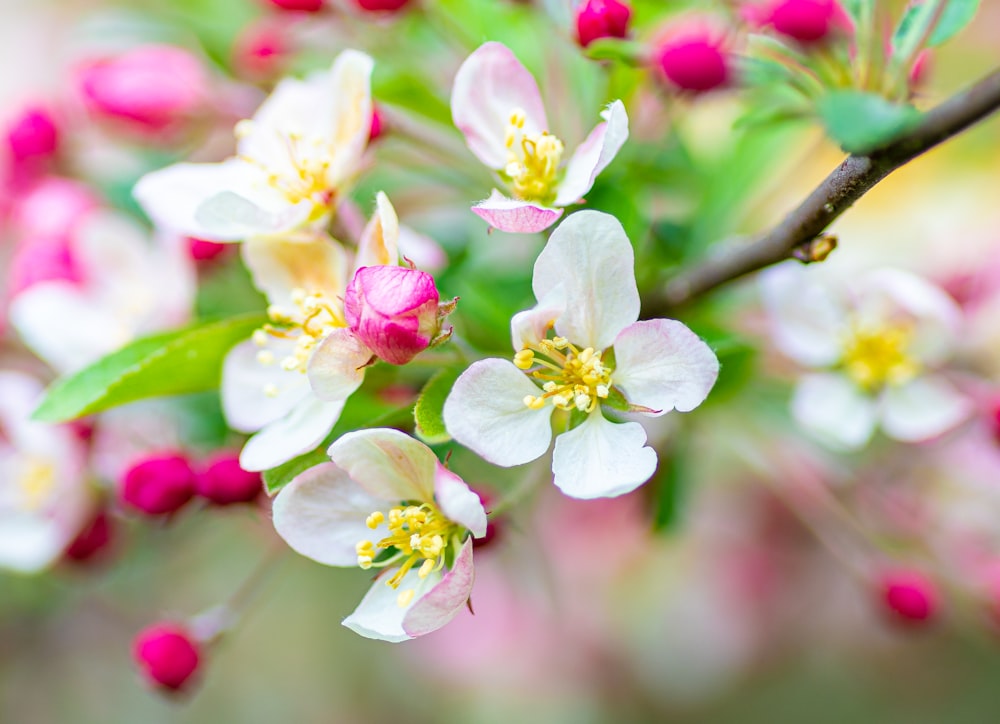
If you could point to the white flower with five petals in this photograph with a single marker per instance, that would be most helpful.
(386, 503)
(584, 281)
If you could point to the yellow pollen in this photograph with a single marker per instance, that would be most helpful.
(571, 378)
(532, 161)
(374, 520)
(876, 356)
(405, 598)
(35, 483)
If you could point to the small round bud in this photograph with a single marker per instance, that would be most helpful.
(94, 538)
(167, 655)
(807, 21)
(33, 135)
(224, 482)
(302, 6)
(694, 60)
(381, 6)
(596, 19)
(910, 595)
(203, 251)
(159, 485)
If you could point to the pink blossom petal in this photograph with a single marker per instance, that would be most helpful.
(321, 515)
(514, 216)
(443, 602)
(457, 502)
(594, 154)
(923, 409)
(834, 410)
(489, 86)
(663, 365)
(389, 464)
(379, 615)
(602, 459)
(590, 255)
(486, 412)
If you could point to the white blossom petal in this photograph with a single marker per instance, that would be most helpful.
(314, 263)
(298, 432)
(529, 327)
(663, 365)
(808, 322)
(321, 514)
(337, 366)
(445, 599)
(591, 256)
(458, 503)
(379, 615)
(602, 459)
(486, 413)
(387, 463)
(923, 409)
(594, 154)
(489, 86)
(834, 410)
(379, 245)
(255, 394)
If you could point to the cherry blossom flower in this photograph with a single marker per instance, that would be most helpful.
(385, 502)
(294, 158)
(875, 343)
(496, 104)
(599, 357)
(44, 500)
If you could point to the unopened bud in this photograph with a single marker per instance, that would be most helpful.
(694, 60)
(807, 21)
(224, 482)
(94, 538)
(393, 310)
(167, 654)
(159, 485)
(596, 19)
(377, 127)
(33, 135)
(910, 595)
(381, 6)
(302, 6)
(204, 251)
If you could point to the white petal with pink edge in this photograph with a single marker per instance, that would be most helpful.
(602, 459)
(337, 366)
(389, 464)
(594, 154)
(445, 599)
(458, 502)
(379, 615)
(514, 216)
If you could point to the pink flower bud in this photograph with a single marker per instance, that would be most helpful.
(153, 86)
(262, 49)
(377, 127)
(807, 21)
(921, 68)
(694, 60)
(159, 485)
(167, 655)
(303, 6)
(910, 595)
(201, 250)
(379, 6)
(93, 539)
(596, 19)
(224, 482)
(393, 310)
(33, 135)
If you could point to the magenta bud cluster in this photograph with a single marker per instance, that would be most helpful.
(167, 655)
(596, 19)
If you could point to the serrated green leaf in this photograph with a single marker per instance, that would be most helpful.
(171, 363)
(277, 478)
(861, 122)
(429, 410)
(955, 16)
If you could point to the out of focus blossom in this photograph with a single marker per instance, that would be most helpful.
(806, 21)
(909, 595)
(167, 654)
(33, 135)
(497, 106)
(53, 208)
(584, 281)
(93, 539)
(693, 57)
(294, 159)
(44, 499)
(262, 50)
(596, 19)
(154, 88)
(877, 343)
(387, 503)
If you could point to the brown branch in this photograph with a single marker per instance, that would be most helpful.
(838, 192)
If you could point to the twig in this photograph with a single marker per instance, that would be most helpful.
(838, 192)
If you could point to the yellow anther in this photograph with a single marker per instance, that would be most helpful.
(561, 343)
(535, 403)
(374, 520)
(524, 359)
(878, 356)
(425, 568)
(259, 337)
(405, 598)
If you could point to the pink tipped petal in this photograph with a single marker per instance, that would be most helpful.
(457, 502)
(807, 321)
(591, 256)
(379, 243)
(663, 365)
(489, 86)
(834, 410)
(513, 216)
(443, 602)
(530, 326)
(379, 615)
(602, 459)
(337, 366)
(486, 413)
(594, 154)
(387, 463)
(923, 409)
(278, 265)
(298, 432)
(321, 515)
(255, 395)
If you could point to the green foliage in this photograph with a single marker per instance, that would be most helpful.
(172, 363)
(955, 16)
(932, 22)
(668, 488)
(629, 52)
(862, 122)
(429, 410)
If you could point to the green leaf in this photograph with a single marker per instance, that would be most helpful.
(171, 363)
(669, 487)
(862, 122)
(625, 51)
(955, 16)
(429, 410)
(277, 478)
(857, 9)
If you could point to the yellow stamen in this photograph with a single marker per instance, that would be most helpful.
(571, 378)
(532, 161)
(876, 356)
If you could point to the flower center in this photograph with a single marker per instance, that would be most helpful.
(36, 483)
(532, 161)
(876, 356)
(571, 378)
(417, 533)
(309, 161)
(312, 317)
